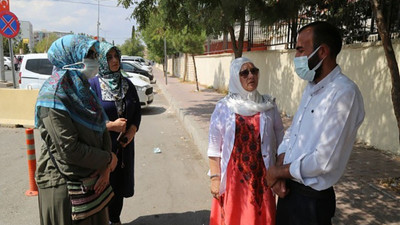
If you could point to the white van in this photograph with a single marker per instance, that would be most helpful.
(36, 68)
(34, 71)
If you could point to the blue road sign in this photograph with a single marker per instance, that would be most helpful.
(9, 24)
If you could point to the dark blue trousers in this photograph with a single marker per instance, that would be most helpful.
(306, 206)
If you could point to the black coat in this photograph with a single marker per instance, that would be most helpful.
(122, 179)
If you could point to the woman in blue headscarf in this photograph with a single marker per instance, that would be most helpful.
(121, 102)
(72, 124)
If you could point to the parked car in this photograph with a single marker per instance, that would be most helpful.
(34, 71)
(138, 59)
(130, 67)
(141, 66)
(36, 68)
(143, 87)
(7, 63)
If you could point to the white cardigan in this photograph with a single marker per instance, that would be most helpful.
(222, 136)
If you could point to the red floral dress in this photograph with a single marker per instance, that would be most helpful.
(247, 199)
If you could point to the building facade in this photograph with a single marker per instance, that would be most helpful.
(26, 35)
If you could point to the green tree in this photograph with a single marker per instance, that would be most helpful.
(21, 46)
(6, 47)
(215, 17)
(189, 43)
(132, 46)
(153, 35)
(44, 45)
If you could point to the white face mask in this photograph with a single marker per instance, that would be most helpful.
(302, 69)
(90, 67)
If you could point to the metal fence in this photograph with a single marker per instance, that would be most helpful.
(283, 34)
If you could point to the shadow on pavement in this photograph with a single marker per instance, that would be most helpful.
(359, 199)
(152, 110)
(193, 218)
(201, 110)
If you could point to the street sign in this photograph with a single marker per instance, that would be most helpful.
(4, 5)
(9, 24)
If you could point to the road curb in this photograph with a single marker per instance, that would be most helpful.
(199, 137)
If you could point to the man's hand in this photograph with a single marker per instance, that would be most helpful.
(280, 188)
(271, 176)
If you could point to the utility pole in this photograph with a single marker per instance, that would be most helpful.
(98, 19)
(2, 72)
(12, 62)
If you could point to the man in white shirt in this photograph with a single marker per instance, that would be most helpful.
(316, 148)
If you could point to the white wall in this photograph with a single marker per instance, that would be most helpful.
(364, 63)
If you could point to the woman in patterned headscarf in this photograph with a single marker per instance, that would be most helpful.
(121, 103)
(72, 124)
(245, 130)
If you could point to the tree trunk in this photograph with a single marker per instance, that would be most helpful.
(186, 70)
(391, 59)
(195, 73)
(233, 40)
(173, 65)
(238, 47)
(241, 34)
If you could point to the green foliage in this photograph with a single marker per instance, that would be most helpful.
(44, 45)
(217, 17)
(209, 17)
(143, 9)
(189, 42)
(351, 16)
(6, 47)
(132, 46)
(21, 46)
(153, 35)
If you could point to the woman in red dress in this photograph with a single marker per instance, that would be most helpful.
(245, 131)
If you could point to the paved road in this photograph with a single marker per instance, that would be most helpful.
(171, 186)
(8, 76)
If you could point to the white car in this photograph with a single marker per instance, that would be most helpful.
(34, 71)
(143, 87)
(144, 67)
(7, 63)
(36, 68)
(140, 60)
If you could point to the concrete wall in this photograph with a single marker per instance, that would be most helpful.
(17, 106)
(364, 63)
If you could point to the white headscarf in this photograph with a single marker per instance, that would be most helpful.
(239, 100)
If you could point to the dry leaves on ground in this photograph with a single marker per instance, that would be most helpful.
(392, 183)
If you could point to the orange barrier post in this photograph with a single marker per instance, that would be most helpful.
(30, 143)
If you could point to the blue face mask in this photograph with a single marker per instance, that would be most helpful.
(302, 69)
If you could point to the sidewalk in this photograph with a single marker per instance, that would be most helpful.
(359, 197)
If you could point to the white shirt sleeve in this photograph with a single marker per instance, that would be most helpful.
(285, 142)
(336, 141)
(215, 136)
(278, 126)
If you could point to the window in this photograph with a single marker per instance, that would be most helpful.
(128, 67)
(42, 66)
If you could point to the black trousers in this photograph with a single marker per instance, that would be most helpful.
(115, 208)
(306, 206)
